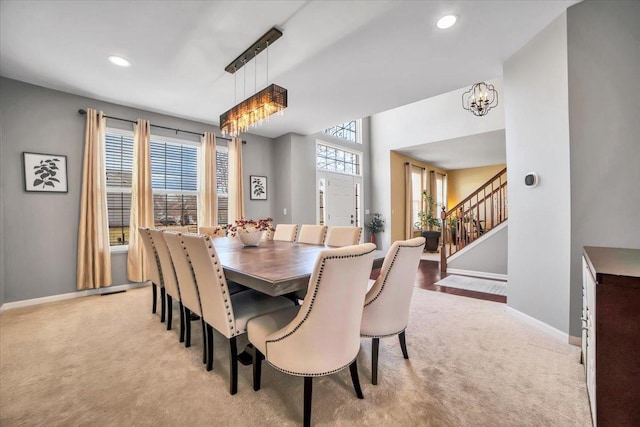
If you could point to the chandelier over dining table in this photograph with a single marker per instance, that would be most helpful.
(259, 106)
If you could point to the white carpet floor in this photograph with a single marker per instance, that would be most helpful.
(487, 286)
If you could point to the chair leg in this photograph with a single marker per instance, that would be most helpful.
(258, 357)
(375, 344)
(308, 389)
(169, 311)
(204, 342)
(181, 322)
(403, 345)
(209, 347)
(154, 287)
(354, 378)
(163, 304)
(187, 340)
(233, 368)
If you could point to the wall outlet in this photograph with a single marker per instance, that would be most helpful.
(285, 211)
(367, 212)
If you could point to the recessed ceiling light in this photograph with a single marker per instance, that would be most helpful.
(118, 60)
(447, 21)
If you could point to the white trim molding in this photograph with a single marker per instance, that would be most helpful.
(482, 274)
(562, 336)
(87, 292)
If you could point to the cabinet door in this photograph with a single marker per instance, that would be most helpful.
(590, 285)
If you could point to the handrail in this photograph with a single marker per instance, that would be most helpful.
(478, 213)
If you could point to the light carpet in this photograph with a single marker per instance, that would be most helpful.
(106, 360)
(474, 284)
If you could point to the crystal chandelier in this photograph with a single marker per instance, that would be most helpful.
(480, 99)
(258, 107)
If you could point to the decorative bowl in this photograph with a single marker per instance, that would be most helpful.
(250, 237)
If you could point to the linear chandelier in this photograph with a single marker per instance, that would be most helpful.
(480, 99)
(259, 106)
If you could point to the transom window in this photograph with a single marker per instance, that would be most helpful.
(336, 160)
(347, 131)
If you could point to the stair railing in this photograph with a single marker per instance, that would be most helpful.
(481, 211)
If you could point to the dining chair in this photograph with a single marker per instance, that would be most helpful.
(216, 231)
(286, 232)
(169, 278)
(180, 228)
(312, 234)
(155, 273)
(187, 284)
(322, 336)
(227, 314)
(386, 305)
(343, 236)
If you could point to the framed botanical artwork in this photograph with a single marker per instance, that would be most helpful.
(45, 173)
(258, 187)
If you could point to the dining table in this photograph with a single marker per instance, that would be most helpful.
(273, 267)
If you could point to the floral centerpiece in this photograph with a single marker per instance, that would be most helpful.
(249, 231)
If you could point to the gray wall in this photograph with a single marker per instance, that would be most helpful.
(295, 174)
(537, 136)
(488, 256)
(39, 231)
(604, 70)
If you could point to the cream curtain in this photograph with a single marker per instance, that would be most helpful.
(236, 188)
(408, 197)
(141, 201)
(208, 212)
(94, 258)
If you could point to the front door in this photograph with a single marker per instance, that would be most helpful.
(340, 198)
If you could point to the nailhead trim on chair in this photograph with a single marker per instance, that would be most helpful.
(386, 335)
(384, 282)
(313, 298)
(155, 254)
(174, 269)
(225, 289)
(298, 374)
(184, 249)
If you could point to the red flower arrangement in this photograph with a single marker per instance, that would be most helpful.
(249, 225)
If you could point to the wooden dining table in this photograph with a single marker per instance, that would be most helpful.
(273, 267)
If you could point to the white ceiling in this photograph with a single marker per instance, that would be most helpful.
(483, 149)
(339, 60)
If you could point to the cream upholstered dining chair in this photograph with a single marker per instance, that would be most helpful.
(227, 314)
(169, 278)
(286, 232)
(343, 236)
(187, 284)
(322, 336)
(155, 273)
(216, 231)
(180, 228)
(312, 234)
(386, 306)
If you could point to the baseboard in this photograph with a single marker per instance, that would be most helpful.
(577, 341)
(562, 336)
(481, 274)
(87, 292)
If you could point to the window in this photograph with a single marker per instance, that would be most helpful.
(347, 131)
(174, 179)
(336, 160)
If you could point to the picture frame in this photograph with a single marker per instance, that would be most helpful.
(258, 187)
(45, 173)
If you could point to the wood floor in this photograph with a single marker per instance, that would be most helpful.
(429, 274)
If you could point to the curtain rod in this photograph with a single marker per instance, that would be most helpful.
(84, 112)
(417, 166)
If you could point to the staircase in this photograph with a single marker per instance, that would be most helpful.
(472, 218)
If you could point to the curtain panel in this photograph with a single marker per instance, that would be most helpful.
(208, 212)
(141, 201)
(94, 257)
(236, 187)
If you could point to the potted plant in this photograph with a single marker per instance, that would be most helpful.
(429, 223)
(376, 225)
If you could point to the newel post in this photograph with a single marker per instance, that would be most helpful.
(443, 248)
